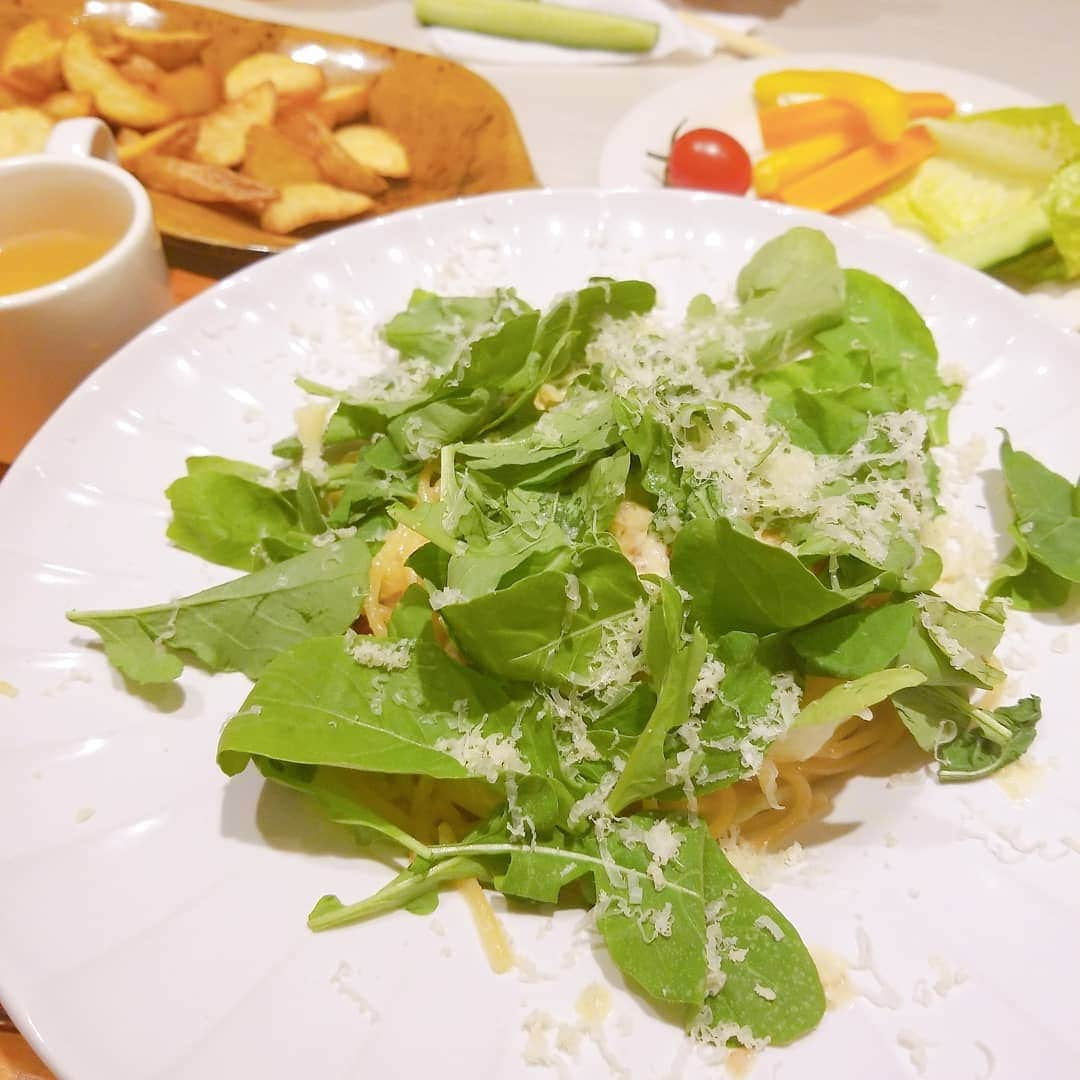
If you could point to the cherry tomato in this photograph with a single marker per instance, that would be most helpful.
(708, 160)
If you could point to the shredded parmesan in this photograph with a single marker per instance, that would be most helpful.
(375, 653)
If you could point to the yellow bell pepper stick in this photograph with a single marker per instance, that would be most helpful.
(781, 167)
(885, 107)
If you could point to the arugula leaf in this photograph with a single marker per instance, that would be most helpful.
(1045, 505)
(881, 358)
(984, 748)
(214, 463)
(381, 475)
(318, 705)
(339, 794)
(858, 644)
(664, 632)
(968, 742)
(852, 698)
(419, 880)
(790, 290)
(645, 771)
(226, 518)
(709, 913)
(561, 440)
(737, 582)
(564, 331)
(308, 509)
(241, 625)
(532, 630)
(1026, 583)
(652, 444)
(433, 327)
(668, 967)
(966, 638)
(775, 960)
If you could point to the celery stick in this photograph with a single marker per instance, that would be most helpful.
(532, 20)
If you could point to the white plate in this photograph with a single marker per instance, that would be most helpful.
(722, 97)
(164, 935)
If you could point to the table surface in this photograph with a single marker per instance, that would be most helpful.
(565, 113)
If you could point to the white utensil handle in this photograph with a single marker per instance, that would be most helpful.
(86, 137)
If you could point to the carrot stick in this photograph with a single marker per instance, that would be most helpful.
(784, 124)
(929, 103)
(859, 173)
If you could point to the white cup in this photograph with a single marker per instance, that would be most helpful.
(52, 337)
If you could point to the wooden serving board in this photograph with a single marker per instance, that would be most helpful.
(459, 131)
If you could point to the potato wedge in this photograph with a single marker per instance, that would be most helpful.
(23, 131)
(223, 133)
(344, 102)
(275, 159)
(306, 204)
(113, 51)
(293, 81)
(168, 49)
(336, 164)
(376, 148)
(141, 70)
(68, 104)
(202, 183)
(172, 140)
(12, 99)
(116, 99)
(31, 59)
(191, 90)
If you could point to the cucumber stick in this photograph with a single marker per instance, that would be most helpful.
(533, 20)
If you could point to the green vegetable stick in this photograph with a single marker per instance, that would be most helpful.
(531, 20)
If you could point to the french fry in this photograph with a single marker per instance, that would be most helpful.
(141, 70)
(202, 183)
(191, 90)
(127, 136)
(31, 59)
(274, 159)
(306, 204)
(376, 148)
(344, 102)
(116, 99)
(23, 131)
(168, 49)
(172, 140)
(223, 133)
(68, 104)
(292, 80)
(335, 163)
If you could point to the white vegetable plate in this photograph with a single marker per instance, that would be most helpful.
(722, 97)
(152, 916)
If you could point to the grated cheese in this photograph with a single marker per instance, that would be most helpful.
(486, 756)
(770, 925)
(441, 598)
(376, 653)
